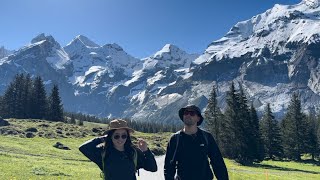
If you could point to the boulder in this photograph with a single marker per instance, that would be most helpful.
(4, 122)
(59, 145)
(30, 135)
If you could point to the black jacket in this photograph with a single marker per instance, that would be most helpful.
(117, 165)
(191, 159)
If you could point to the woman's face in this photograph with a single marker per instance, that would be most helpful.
(119, 138)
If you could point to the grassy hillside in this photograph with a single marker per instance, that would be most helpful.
(36, 158)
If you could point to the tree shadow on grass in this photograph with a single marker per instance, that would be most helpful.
(310, 161)
(265, 166)
(304, 161)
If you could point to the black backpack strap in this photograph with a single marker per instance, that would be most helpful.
(205, 136)
(103, 157)
(177, 135)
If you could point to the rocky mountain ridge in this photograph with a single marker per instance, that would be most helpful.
(271, 55)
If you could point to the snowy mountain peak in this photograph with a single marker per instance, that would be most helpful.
(311, 3)
(278, 29)
(4, 52)
(43, 37)
(81, 40)
(113, 46)
(170, 48)
(38, 38)
(169, 51)
(169, 56)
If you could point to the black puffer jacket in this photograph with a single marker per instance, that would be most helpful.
(191, 159)
(117, 164)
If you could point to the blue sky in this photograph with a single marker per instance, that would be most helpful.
(140, 27)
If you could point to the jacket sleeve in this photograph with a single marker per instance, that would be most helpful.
(146, 160)
(170, 167)
(216, 160)
(92, 152)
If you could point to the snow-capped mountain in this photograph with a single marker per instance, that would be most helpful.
(271, 55)
(4, 52)
(91, 63)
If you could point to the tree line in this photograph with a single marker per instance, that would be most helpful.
(26, 98)
(242, 136)
(151, 127)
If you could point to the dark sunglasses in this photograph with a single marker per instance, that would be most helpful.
(123, 136)
(191, 113)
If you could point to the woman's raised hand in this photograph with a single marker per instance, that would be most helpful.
(142, 144)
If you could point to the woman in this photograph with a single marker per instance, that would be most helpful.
(115, 154)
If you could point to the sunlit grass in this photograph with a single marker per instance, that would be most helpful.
(36, 158)
(273, 170)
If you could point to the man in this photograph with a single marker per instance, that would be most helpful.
(188, 151)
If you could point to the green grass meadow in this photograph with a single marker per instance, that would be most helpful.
(277, 170)
(36, 158)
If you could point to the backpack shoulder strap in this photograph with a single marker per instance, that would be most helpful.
(135, 158)
(103, 155)
(205, 136)
(177, 136)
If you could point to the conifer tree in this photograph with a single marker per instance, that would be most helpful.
(8, 101)
(12, 100)
(244, 130)
(72, 120)
(26, 96)
(311, 138)
(16, 99)
(18, 104)
(318, 135)
(294, 129)
(80, 123)
(1, 107)
(213, 116)
(55, 108)
(39, 99)
(270, 134)
(256, 145)
(229, 141)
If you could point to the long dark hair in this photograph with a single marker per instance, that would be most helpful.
(128, 145)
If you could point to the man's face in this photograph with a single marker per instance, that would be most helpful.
(190, 117)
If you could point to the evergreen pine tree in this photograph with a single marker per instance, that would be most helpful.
(213, 116)
(18, 104)
(39, 99)
(256, 143)
(229, 141)
(318, 135)
(270, 134)
(26, 96)
(1, 107)
(244, 131)
(311, 138)
(55, 108)
(72, 120)
(80, 123)
(294, 129)
(12, 100)
(9, 101)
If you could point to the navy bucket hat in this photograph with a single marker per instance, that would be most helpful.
(194, 108)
